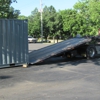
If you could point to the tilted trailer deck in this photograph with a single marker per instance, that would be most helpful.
(14, 46)
(69, 48)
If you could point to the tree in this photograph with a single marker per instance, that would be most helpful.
(90, 10)
(48, 21)
(84, 19)
(69, 21)
(94, 11)
(52, 23)
(6, 11)
(34, 23)
(22, 17)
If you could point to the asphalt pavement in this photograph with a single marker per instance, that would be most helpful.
(54, 79)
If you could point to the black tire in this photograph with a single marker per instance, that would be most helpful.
(90, 52)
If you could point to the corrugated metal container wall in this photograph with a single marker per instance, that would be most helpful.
(13, 42)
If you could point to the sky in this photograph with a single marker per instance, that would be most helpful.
(27, 6)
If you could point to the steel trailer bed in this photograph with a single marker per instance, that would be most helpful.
(55, 49)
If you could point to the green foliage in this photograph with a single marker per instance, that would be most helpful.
(49, 20)
(52, 26)
(34, 23)
(90, 11)
(6, 11)
(22, 17)
(84, 19)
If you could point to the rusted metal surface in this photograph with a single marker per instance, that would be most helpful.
(49, 51)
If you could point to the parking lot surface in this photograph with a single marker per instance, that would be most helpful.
(53, 79)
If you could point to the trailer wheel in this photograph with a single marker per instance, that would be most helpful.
(90, 52)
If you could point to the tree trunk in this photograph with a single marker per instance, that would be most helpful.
(53, 39)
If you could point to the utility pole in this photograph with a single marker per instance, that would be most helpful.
(41, 10)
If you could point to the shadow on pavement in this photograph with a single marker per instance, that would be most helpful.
(5, 77)
(74, 61)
